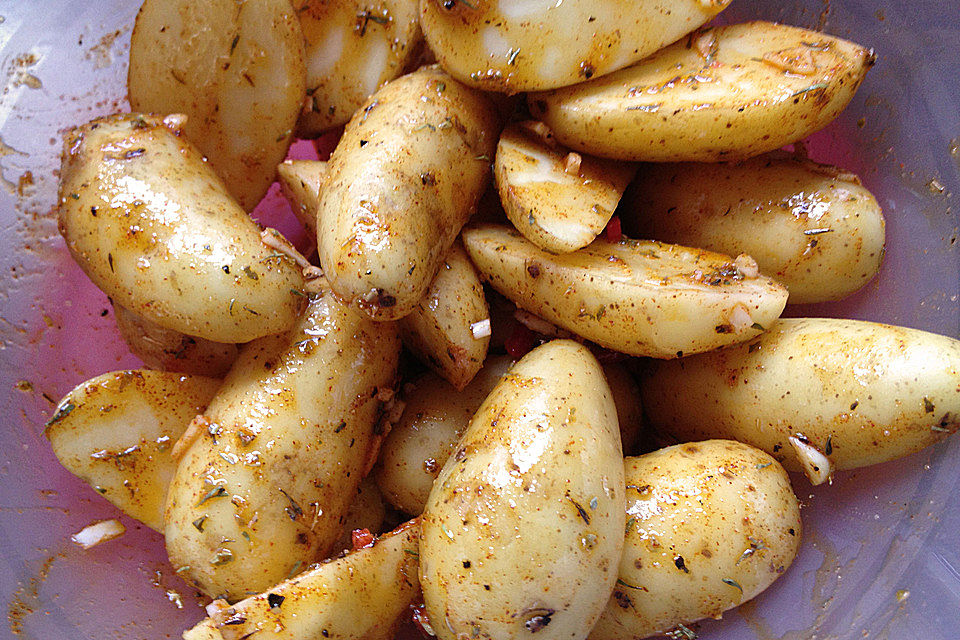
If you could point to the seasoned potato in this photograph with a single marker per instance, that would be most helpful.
(813, 227)
(559, 200)
(638, 297)
(449, 328)
(541, 44)
(115, 433)
(367, 511)
(169, 350)
(818, 394)
(237, 72)
(710, 525)
(353, 47)
(272, 466)
(726, 93)
(151, 224)
(537, 477)
(300, 181)
(401, 183)
(358, 596)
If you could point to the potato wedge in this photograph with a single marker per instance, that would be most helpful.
(541, 44)
(274, 463)
(353, 47)
(403, 180)
(300, 181)
(637, 297)
(537, 476)
(115, 433)
(710, 525)
(237, 72)
(727, 93)
(367, 511)
(151, 224)
(358, 596)
(558, 199)
(169, 350)
(815, 392)
(449, 328)
(813, 227)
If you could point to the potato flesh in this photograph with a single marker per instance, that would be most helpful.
(300, 181)
(859, 392)
(638, 297)
(150, 224)
(522, 530)
(541, 44)
(710, 525)
(290, 437)
(732, 93)
(236, 70)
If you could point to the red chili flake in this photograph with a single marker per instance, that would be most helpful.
(520, 341)
(362, 538)
(613, 231)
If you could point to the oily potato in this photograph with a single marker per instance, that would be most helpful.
(235, 69)
(300, 181)
(541, 44)
(709, 526)
(358, 596)
(559, 200)
(449, 328)
(272, 466)
(818, 394)
(150, 223)
(353, 47)
(115, 432)
(436, 415)
(169, 350)
(523, 529)
(367, 511)
(401, 183)
(812, 227)
(726, 93)
(639, 297)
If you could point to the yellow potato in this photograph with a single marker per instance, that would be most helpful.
(638, 297)
(813, 227)
(170, 350)
(401, 183)
(300, 181)
(151, 224)
(358, 596)
(274, 463)
(235, 69)
(559, 200)
(818, 394)
(523, 529)
(726, 93)
(353, 47)
(367, 511)
(709, 526)
(115, 432)
(540, 44)
(449, 328)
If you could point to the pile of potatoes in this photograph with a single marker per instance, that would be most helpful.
(281, 424)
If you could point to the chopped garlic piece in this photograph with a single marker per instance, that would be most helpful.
(740, 318)
(747, 266)
(481, 329)
(217, 605)
(275, 240)
(816, 466)
(98, 532)
(539, 325)
(571, 163)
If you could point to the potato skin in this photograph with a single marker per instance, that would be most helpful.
(813, 227)
(403, 180)
(537, 476)
(300, 181)
(735, 92)
(710, 525)
(115, 432)
(860, 392)
(204, 271)
(290, 436)
(532, 45)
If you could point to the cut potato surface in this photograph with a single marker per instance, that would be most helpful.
(300, 181)
(638, 297)
(722, 94)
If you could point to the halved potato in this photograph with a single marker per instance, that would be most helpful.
(235, 69)
(638, 297)
(559, 200)
(300, 181)
(723, 94)
(115, 432)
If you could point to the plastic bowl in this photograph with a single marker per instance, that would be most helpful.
(881, 555)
